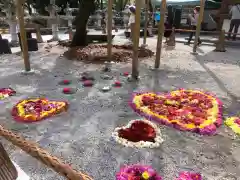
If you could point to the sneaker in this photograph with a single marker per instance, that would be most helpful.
(187, 43)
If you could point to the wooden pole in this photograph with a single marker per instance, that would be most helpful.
(198, 29)
(146, 22)
(109, 30)
(136, 34)
(20, 16)
(160, 33)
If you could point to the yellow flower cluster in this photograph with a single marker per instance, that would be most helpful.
(230, 122)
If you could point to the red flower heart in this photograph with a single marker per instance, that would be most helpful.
(188, 110)
(138, 133)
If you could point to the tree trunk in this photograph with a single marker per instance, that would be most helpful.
(85, 9)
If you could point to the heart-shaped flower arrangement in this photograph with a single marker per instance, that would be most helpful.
(234, 124)
(189, 176)
(188, 110)
(138, 133)
(137, 172)
(6, 92)
(32, 110)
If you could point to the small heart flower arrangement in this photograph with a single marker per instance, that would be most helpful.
(187, 110)
(6, 92)
(138, 172)
(234, 124)
(65, 82)
(33, 110)
(189, 176)
(138, 133)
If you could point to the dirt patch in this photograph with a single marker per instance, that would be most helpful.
(97, 53)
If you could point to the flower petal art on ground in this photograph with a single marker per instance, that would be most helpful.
(189, 176)
(126, 74)
(138, 133)
(137, 172)
(69, 90)
(6, 92)
(32, 110)
(117, 84)
(187, 110)
(88, 83)
(234, 124)
(65, 82)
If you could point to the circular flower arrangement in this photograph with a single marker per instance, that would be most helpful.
(137, 172)
(6, 92)
(234, 124)
(138, 133)
(32, 110)
(188, 110)
(189, 176)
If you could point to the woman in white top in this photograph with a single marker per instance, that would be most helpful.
(235, 20)
(194, 20)
(131, 22)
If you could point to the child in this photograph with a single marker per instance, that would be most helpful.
(131, 22)
(194, 21)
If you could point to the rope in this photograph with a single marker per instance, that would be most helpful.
(35, 151)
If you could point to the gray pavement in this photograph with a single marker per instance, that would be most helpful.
(82, 135)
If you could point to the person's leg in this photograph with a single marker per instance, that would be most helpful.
(190, 35)
(231, 28)
(236, 26)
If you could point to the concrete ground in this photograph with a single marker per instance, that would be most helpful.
(82, 135)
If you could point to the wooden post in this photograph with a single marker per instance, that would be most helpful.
(146, 22)
(20, 16)
(198, 29)
(136, 34)
(220, 45)
(160, 33)
(109, 30)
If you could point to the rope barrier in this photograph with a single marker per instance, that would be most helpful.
(176, 30)
(35, 151)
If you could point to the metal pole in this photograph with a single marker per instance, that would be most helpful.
(160, 33)
(20, 16)
(109, 30)
(202, 5)
(146, 22)
(136, 34)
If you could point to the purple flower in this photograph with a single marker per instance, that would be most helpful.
(189, 176)
(136, 170)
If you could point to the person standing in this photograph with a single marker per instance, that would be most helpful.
(194, 20)
(157, 17)
(235, 20)
(132, 20)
